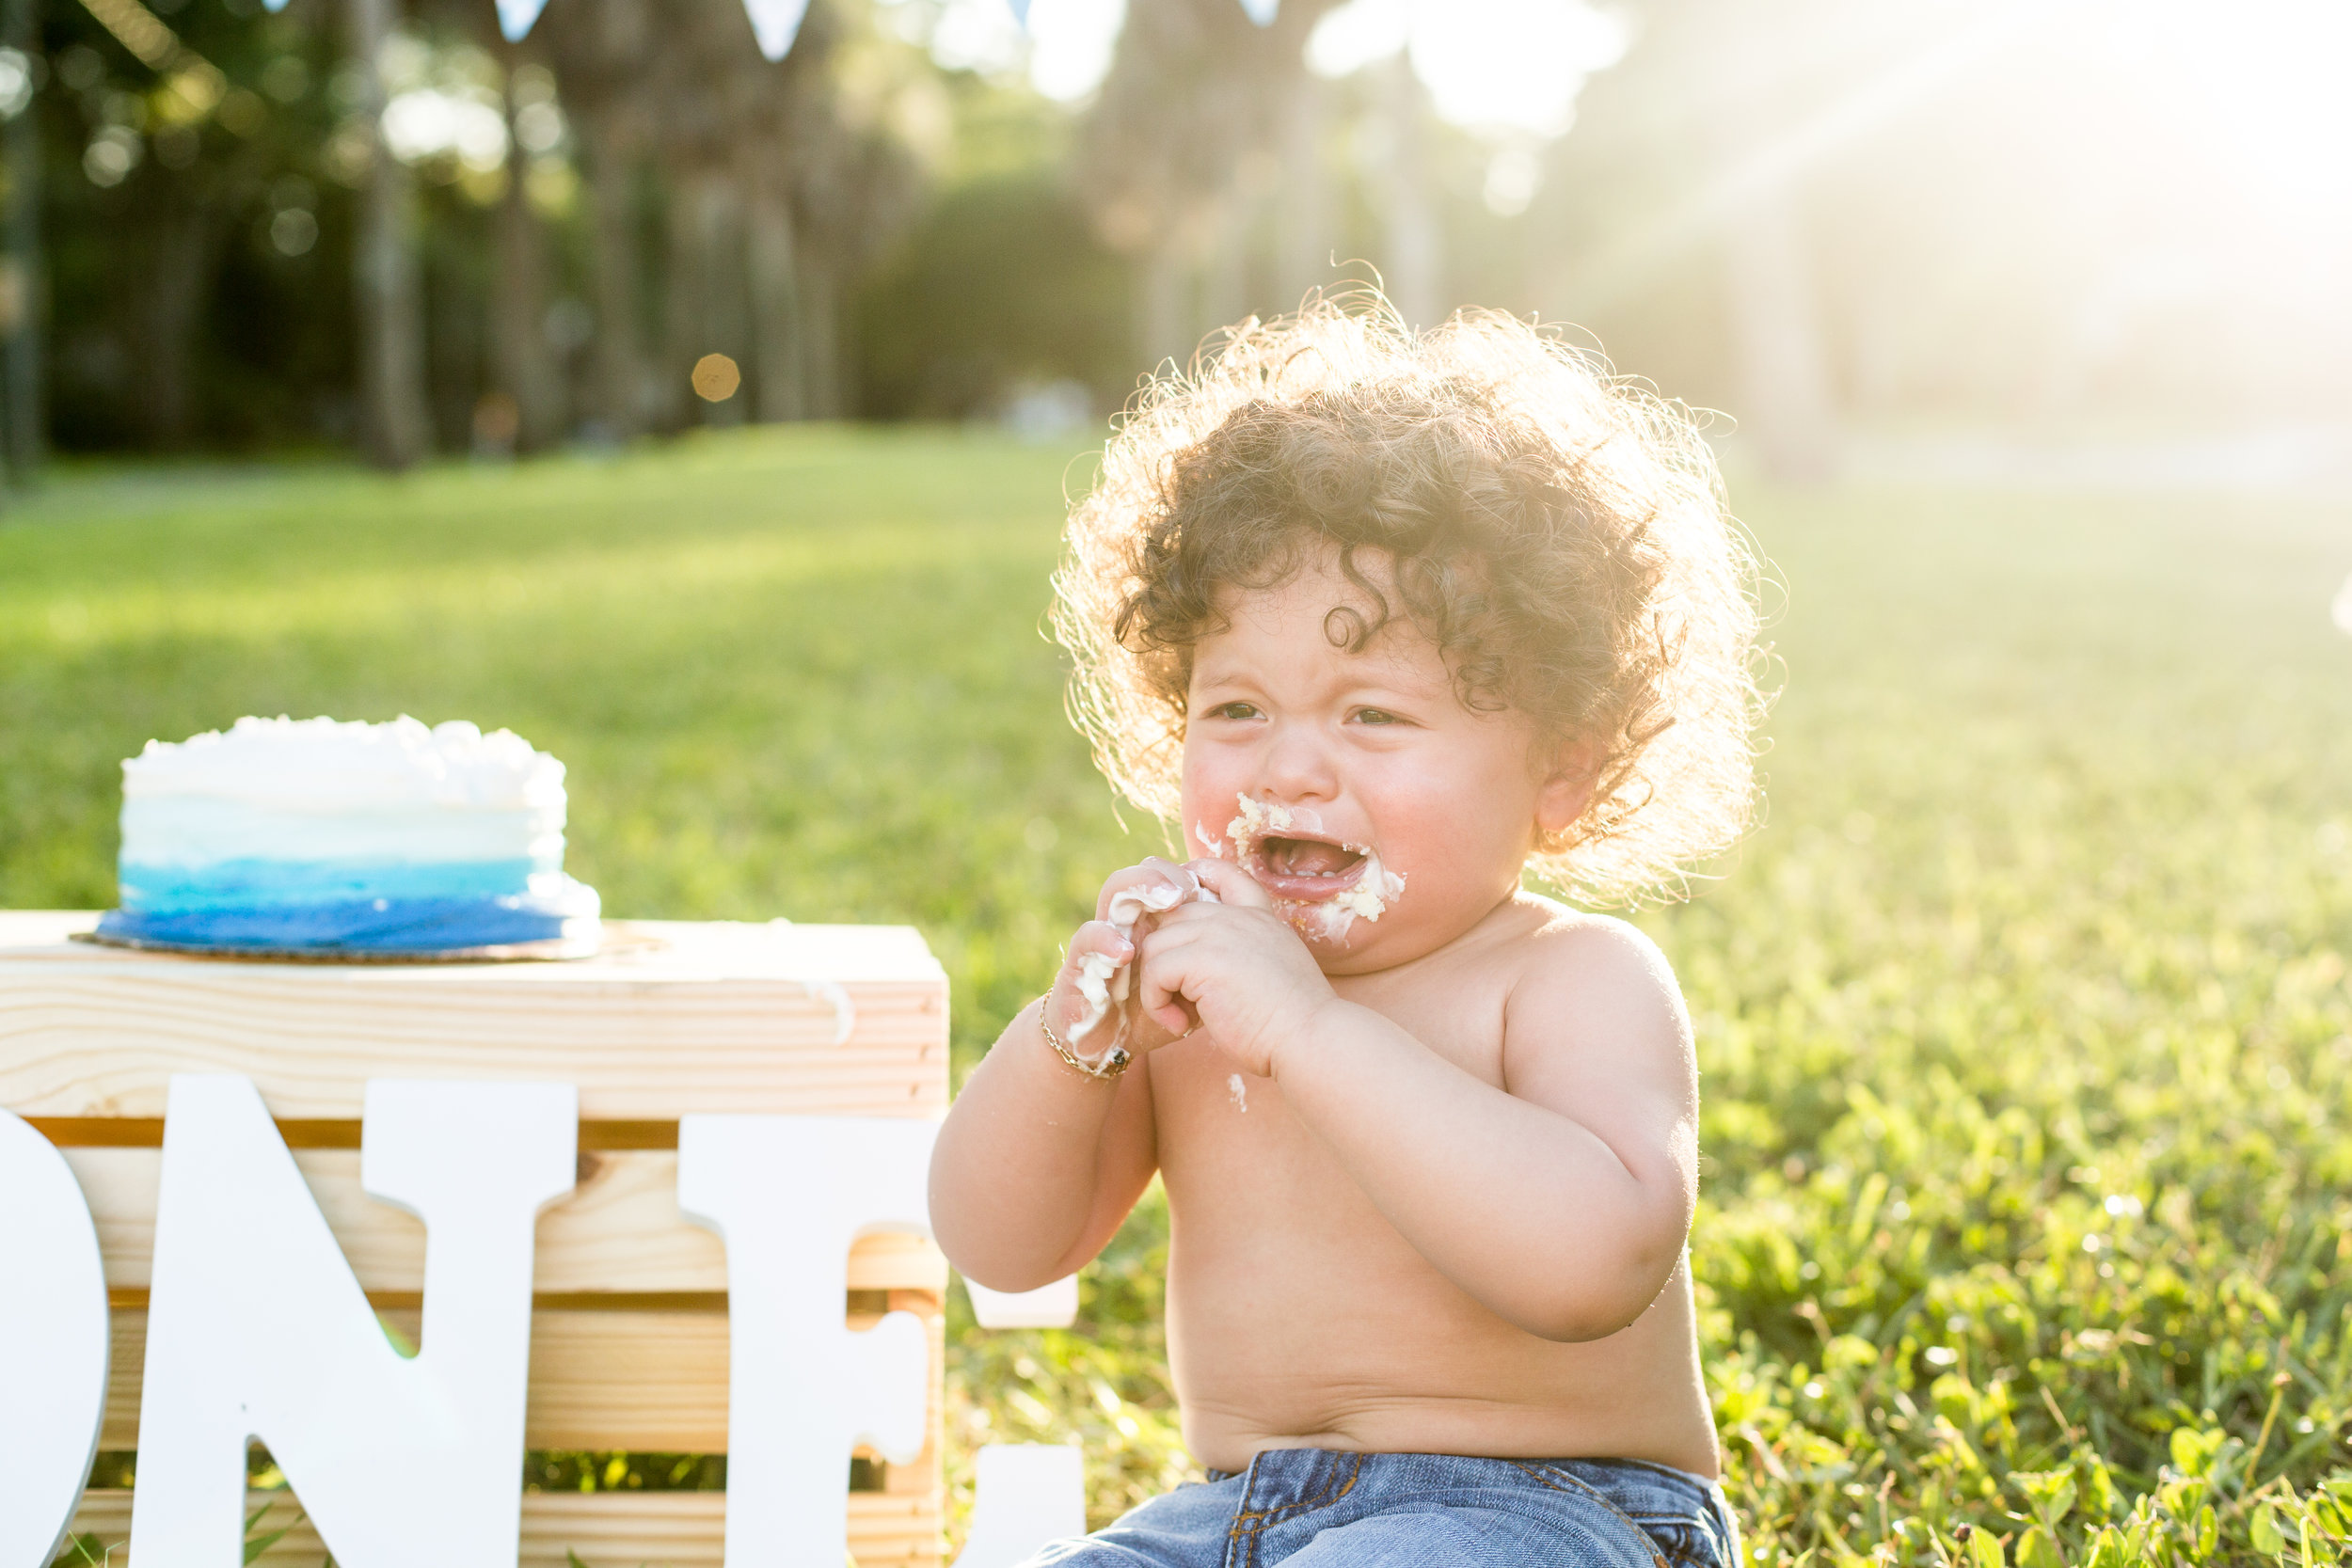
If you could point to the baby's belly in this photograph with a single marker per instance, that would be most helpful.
(1299, 1317)
(1289, 1362)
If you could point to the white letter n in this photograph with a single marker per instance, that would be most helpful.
(258, 1328)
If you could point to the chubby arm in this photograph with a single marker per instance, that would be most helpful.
(1037, 1164)
(1561, 1202)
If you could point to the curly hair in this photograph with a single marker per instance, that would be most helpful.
(1558, 533)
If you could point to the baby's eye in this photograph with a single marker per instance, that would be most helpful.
(1233, 710)
(1377, 716)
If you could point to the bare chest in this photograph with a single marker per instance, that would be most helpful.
(1243, 1170)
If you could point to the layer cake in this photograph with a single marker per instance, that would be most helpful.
(317, 835)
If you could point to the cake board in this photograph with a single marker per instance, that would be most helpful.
(557, 950)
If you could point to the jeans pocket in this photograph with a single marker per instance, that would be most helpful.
(1685, 1544)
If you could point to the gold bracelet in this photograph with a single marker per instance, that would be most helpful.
(1111, 1064)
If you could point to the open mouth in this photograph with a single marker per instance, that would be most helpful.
(1290, 866)
(1323, 884)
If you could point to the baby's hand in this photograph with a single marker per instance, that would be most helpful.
(1229, 963)
(1089, 1002)
(1153, 886)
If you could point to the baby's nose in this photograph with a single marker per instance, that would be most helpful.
(1298, 767)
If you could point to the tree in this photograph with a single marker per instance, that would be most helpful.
(394, 425)
(1685, 199)
(1203, 120)
(599, 49)
(524, 370)
(23, 292)
(861, 126)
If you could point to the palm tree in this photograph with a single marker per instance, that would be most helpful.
(599, 50)
(1680, 216)
(391, 330)
(858, 168)
(523, 367)
(1206, 122)
(24, 297)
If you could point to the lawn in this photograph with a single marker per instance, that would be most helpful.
(2024, 1017)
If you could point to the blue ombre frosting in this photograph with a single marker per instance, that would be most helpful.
(371, 925)
(321, 836)
(304, 884)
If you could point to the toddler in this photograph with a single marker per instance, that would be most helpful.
(1380, 621)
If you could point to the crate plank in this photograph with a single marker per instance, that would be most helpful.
(678, 1018)
(619, 1231)
(608, 1529)
(651, 1382)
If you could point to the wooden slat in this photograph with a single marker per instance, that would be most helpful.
(620, 1230)
(679, 1018)
(608, 1529)
(652, 1382)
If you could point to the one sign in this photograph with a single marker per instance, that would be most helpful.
(53, 1345)
(258, 1327)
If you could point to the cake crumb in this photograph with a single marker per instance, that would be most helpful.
(1240, 1091)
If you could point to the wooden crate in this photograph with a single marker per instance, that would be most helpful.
(628, 1328)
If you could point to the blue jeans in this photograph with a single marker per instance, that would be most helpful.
(1315, 1508)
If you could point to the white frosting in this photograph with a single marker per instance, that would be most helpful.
(316, 790)
(1375, 890)
(319, 765)
(1097, 973)
(1367, 898)
(191, 831)
(1254, 821)
(1103, 982)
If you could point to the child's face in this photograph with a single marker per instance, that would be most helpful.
(1382, 755)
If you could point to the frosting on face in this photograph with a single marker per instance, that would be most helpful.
(1365, 888)
(1375, 890)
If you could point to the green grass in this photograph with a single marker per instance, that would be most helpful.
(2025, 1017)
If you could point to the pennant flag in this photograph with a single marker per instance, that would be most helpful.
(776, 23)
(1020, 10)
(514, 16)
(1261, 11)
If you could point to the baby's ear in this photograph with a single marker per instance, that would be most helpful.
(1572, 773)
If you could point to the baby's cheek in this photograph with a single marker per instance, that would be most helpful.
(1440, 838)
(1203, 823)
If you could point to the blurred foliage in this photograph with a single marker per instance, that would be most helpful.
(1002, 287)
(201, 254)
(2023, 1019)
(173, 264)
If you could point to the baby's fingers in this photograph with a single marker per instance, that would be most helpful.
(1152, 885)
(1099, 936)
(1082, 992)
(1229, 883)
(1160, 982)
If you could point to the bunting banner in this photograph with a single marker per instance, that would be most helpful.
(514, 16)
(777, 23)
